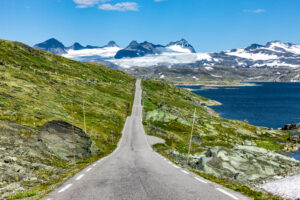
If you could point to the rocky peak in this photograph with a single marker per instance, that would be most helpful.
(133, 43)
(52, 45)
(184, 44)
(111, 44)
(76, 46)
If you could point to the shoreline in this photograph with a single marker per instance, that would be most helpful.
(218, 84)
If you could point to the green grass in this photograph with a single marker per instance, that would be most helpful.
(22, 195)
(164, 99)
(270, 145)
(37, 87)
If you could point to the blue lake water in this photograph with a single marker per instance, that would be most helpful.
(268, 104)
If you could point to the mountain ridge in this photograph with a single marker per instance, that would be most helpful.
(273, 54)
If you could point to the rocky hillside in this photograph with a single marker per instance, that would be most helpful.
(56, 117)
(193, 74)
(230, 152)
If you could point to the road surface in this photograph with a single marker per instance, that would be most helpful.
(135, 172)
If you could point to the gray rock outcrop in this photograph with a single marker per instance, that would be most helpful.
(291, 126)
(29, 158)
(249, 165)
(65, 141)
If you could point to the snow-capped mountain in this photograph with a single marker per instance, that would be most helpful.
(135, 49)
(79, 52)
(274, 54)
(181, 46)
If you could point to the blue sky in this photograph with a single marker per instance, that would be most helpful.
(209, 25)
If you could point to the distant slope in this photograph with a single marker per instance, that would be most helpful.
(38, 87)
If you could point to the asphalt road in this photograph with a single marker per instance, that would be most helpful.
(135, 172)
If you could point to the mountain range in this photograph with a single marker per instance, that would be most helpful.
(54, 46)
(275, 54)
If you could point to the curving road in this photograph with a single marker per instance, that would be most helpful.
(135, 172)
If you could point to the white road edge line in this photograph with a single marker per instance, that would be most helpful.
(227, 193)
(184, 171)
(65, 188)
(88, 169)
(94, 164)
(198, 179)
(79, 177)
(175, 166)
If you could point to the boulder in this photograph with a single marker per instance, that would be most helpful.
(65, 140)
(294, 139)
(291, 126)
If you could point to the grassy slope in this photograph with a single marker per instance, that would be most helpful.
(168, 114)
(37, 87)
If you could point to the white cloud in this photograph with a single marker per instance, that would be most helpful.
(125, 6)
(85, 3)
(255, 11)
(159, 0)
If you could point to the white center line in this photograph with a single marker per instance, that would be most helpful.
(65, 188)
(184, 171)
(88, 169)
(198, 179)
(79, 177)
(227, 193)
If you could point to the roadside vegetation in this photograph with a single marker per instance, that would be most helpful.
(38, 87)
(232, 153)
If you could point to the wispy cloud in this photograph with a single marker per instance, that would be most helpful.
(254, 11)
(125, 6)
(86, 3)
(159, 0)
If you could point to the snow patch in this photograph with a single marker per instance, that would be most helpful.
(106, 52)
(253, 56)
(194, 77)
(178, 48)
(208, 68)
(289, 48)
(287, 187)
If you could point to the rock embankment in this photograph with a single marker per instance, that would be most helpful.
(246, 164)
(29, 158)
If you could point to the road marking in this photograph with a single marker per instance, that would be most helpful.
(198, 179)
(165, 159)
(65, 188)
(175, 166)
(88, 169)
(184, 171)
(170, 163)
(79, 177)
(94, 164)
(227, 193)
